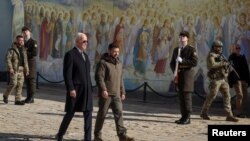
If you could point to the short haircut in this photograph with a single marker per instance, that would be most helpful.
(79, 35)
(184, 33)
(19, 36)
(25, 28)
(113, 45)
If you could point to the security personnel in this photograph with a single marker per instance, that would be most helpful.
(185, 59)
(31, 47)
(17, 65)
(218, 69)
(239, 79)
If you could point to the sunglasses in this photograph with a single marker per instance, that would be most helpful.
(218, 46)
(85, 41)
(238, 48)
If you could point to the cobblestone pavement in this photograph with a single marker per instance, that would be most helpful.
(150, 121)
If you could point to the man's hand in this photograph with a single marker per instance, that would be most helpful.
(179, 59)
(123, 96)
(105, 94)
(73, 94)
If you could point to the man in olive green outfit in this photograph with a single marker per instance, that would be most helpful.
(31, 47)
(218, 69)
(17, 66)
(111, 92)
(183, 63)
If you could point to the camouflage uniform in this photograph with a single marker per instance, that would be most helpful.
(17, 79)
(218, 69)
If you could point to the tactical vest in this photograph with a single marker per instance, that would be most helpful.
(218, 73)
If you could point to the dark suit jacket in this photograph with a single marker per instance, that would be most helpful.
(76, 73)
(186, 71)
(239, 63)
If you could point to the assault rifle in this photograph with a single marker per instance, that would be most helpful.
(230, 65)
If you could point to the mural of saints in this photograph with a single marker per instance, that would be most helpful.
(145, 31)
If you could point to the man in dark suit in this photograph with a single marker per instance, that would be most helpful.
(239, 80)
(76, 72)
(31, 47)
(183, 61)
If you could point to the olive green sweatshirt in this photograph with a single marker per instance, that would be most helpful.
(108, 75)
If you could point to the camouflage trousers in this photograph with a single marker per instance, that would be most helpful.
(216, 86)
(16, 83)
(240, 88)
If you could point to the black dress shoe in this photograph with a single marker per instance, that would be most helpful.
(29, 100)
(125, 138)
(19, 103)
(179, 120)
(59, 138)
(5, 99)
(185, 121)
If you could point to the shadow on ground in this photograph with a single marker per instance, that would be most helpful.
(21, 137)
(57, 92)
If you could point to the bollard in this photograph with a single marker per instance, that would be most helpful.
(37, 79)
(145, 92)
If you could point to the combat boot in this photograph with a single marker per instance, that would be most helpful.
(5, 99)
(125, 138)
(97, 138)
(231, 118)
(19, 103)
(185, 121)
(59, 138)
(179, 120)
(204, 116)
(31, 100)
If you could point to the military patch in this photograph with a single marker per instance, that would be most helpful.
(35, 45)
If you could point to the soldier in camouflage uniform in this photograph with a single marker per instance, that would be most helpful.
(17, 66)
(31, 48)
(218, 69)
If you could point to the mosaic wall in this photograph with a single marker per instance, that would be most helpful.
(146, 30)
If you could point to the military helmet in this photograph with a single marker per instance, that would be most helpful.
(217, 43)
